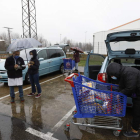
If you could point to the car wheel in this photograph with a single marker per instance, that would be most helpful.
(62, 68)
(27, 79)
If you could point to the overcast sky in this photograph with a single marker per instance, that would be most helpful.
(71, 18)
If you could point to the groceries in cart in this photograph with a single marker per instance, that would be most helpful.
(94, 99)
(99, 102)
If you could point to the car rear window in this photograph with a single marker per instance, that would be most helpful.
(123, 45)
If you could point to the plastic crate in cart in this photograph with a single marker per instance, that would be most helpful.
(94, 98)
(69, 64)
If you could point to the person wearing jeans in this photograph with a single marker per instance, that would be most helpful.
(33, 67)
(14, 66)
(12, 94)
(34, 79)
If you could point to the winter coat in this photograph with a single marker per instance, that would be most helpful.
(129, 78)
(76, 57)
(9, 66)
(33, 69)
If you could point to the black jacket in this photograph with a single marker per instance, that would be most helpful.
(9, 66)
(129, 78)
(35, 67)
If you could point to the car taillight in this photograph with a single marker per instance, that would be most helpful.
(129, 105)
(102, 77)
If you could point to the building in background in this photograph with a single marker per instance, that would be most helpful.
(2, 47)
(100, 37)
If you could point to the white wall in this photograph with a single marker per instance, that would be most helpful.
(100, 37)
(99, 41)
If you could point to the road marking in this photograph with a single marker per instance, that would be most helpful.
(40, 134)
(30, 87)
(49, 135)
(58, 125)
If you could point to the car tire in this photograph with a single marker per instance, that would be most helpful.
(27, 80)
(61, 69)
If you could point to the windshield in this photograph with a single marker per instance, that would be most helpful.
(23, 54)
(123, 45)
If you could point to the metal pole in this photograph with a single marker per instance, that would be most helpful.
(9, 33)
(60, 38)
(29, 19)
(85, 39)
(93, 42)
(98, 47)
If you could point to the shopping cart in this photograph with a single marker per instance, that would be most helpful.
(98, 101)
(69, 64)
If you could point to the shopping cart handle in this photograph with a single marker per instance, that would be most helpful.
(69, 77)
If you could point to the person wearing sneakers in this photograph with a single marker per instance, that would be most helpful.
(33, 67)
(14, 66)
(129, 83)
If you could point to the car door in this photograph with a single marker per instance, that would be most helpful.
(54, 60)
(60, 55)
(44, 64)
(93, 65)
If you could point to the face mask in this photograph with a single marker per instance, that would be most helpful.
(31, 56)
(16, 56)
(114, 78)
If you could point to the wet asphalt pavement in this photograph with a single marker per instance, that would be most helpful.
(44, 113)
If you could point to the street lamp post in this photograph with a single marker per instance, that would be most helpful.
(9, 33)
(60, 38)
(85, 39)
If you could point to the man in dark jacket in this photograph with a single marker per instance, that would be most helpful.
(33, 68)
(14, 66)
(129, 83)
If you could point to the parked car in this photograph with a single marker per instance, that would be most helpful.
(123, 48)
(51, 60)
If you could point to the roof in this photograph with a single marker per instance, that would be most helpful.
(125, 24)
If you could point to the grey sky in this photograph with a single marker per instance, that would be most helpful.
(71, 18)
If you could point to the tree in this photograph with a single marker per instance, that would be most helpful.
(43, 41)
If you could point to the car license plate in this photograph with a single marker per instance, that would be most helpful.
(0, 76)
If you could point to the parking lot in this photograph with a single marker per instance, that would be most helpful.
(44, 118)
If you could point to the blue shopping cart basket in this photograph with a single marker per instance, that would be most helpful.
(94, 98)
(69, 64)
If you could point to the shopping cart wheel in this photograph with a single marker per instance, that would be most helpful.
(67, 127)
(74, 112)
(116, 133)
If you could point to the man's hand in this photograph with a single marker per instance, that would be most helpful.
(29, 65)
(16, 66)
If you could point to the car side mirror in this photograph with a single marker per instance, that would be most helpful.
(41, 59)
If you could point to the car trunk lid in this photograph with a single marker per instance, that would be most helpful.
(123, 44)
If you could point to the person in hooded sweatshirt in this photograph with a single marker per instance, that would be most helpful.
(129, 83)
(33, 73)
(14, 66)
